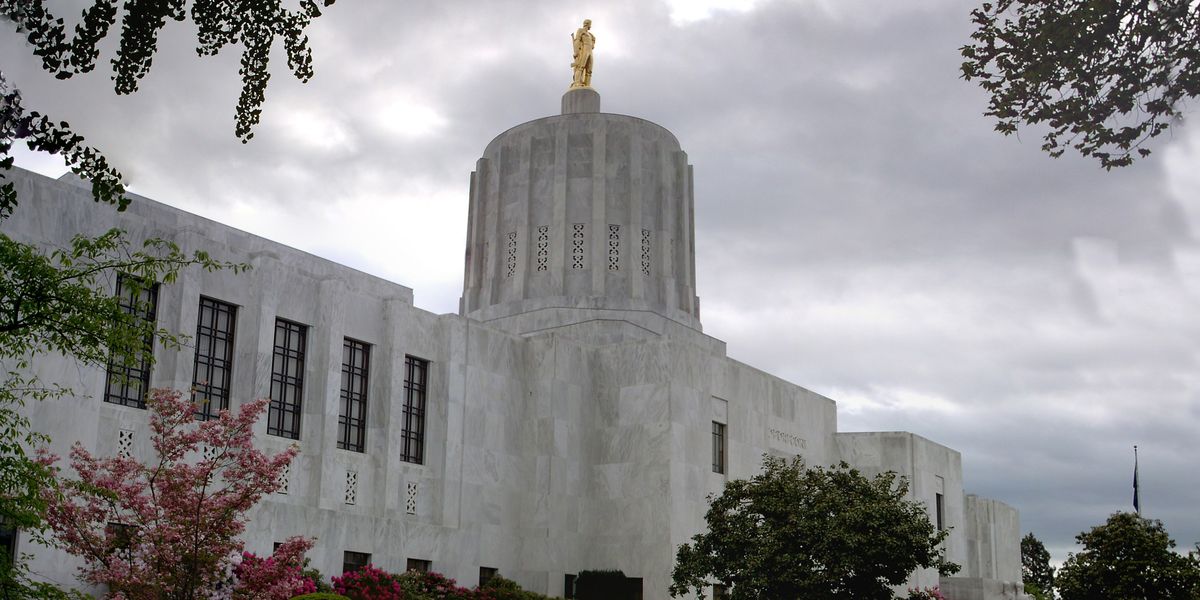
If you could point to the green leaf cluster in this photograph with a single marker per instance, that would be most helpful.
(815, 533)
(1104, 76)
(1129, 558)
(500, 588)
(254, 24)
(1035, 567)
(60, 302)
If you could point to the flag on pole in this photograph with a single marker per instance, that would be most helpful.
(1137, 505)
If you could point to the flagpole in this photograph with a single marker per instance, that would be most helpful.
(1137, 505)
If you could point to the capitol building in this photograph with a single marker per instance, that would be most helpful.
(572, 416)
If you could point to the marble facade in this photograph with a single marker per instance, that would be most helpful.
(570, 404)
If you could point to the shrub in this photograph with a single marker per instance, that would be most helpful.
(499, 588)
(932, 593)
(321, 596)
(368, 583)
(428, 585)
(602, 585)
(314, 575)
(275, 577)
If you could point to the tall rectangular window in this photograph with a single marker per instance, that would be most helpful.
(940, 510)
(287, 379)
(128, 378)
(718, 447)
(214, 357)
(416, 372)
(352, 416)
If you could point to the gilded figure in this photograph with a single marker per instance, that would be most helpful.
(582, 42)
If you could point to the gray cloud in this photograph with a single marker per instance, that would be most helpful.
(861, 230)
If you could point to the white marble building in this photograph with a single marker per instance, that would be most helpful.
(573, 415)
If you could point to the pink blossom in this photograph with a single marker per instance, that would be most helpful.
(168, 529)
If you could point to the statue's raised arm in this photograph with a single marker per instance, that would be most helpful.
(582, 42)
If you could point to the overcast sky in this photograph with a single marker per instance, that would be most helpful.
(860, 229)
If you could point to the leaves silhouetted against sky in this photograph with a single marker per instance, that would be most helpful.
(860, 229)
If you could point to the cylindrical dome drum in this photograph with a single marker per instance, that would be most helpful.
(582, 211)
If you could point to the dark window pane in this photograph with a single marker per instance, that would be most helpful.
(569, 586)
(287, 379)
(418, 564)
(412, 448)
(214, 357)
(718, 447)
(940, 511)
(352, 418)
(486, 574)
(8, 544)
(128, 378)
(354, 561)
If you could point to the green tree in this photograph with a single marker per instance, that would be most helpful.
(1035, 567)
(60, 302)
(1128, 558)
(57, 301)
(1104, 76)
(795, 532)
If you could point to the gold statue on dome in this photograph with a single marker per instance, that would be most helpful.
(582, 42)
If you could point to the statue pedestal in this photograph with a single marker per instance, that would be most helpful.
(580, 100)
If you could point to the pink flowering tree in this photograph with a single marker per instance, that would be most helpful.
(276, 577)
(169, 529)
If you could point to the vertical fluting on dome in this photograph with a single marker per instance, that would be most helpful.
(584, 210)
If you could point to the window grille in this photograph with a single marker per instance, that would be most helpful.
(128, 378)
(410, 499)
(614, 247)
(351, 495)
(646, 252)
(577, 245)
(287, 379)
(284, 481)
(125, 443)
(416, 374)
(352, 417)
(543, 247)
(510, 254)
(213, 365)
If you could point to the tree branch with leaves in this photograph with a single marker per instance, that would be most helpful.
(169, 529)
(1104, 76)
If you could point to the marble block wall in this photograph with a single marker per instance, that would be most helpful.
(570, 405)
(930, 469)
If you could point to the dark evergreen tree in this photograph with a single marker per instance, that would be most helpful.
(1035, 567)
